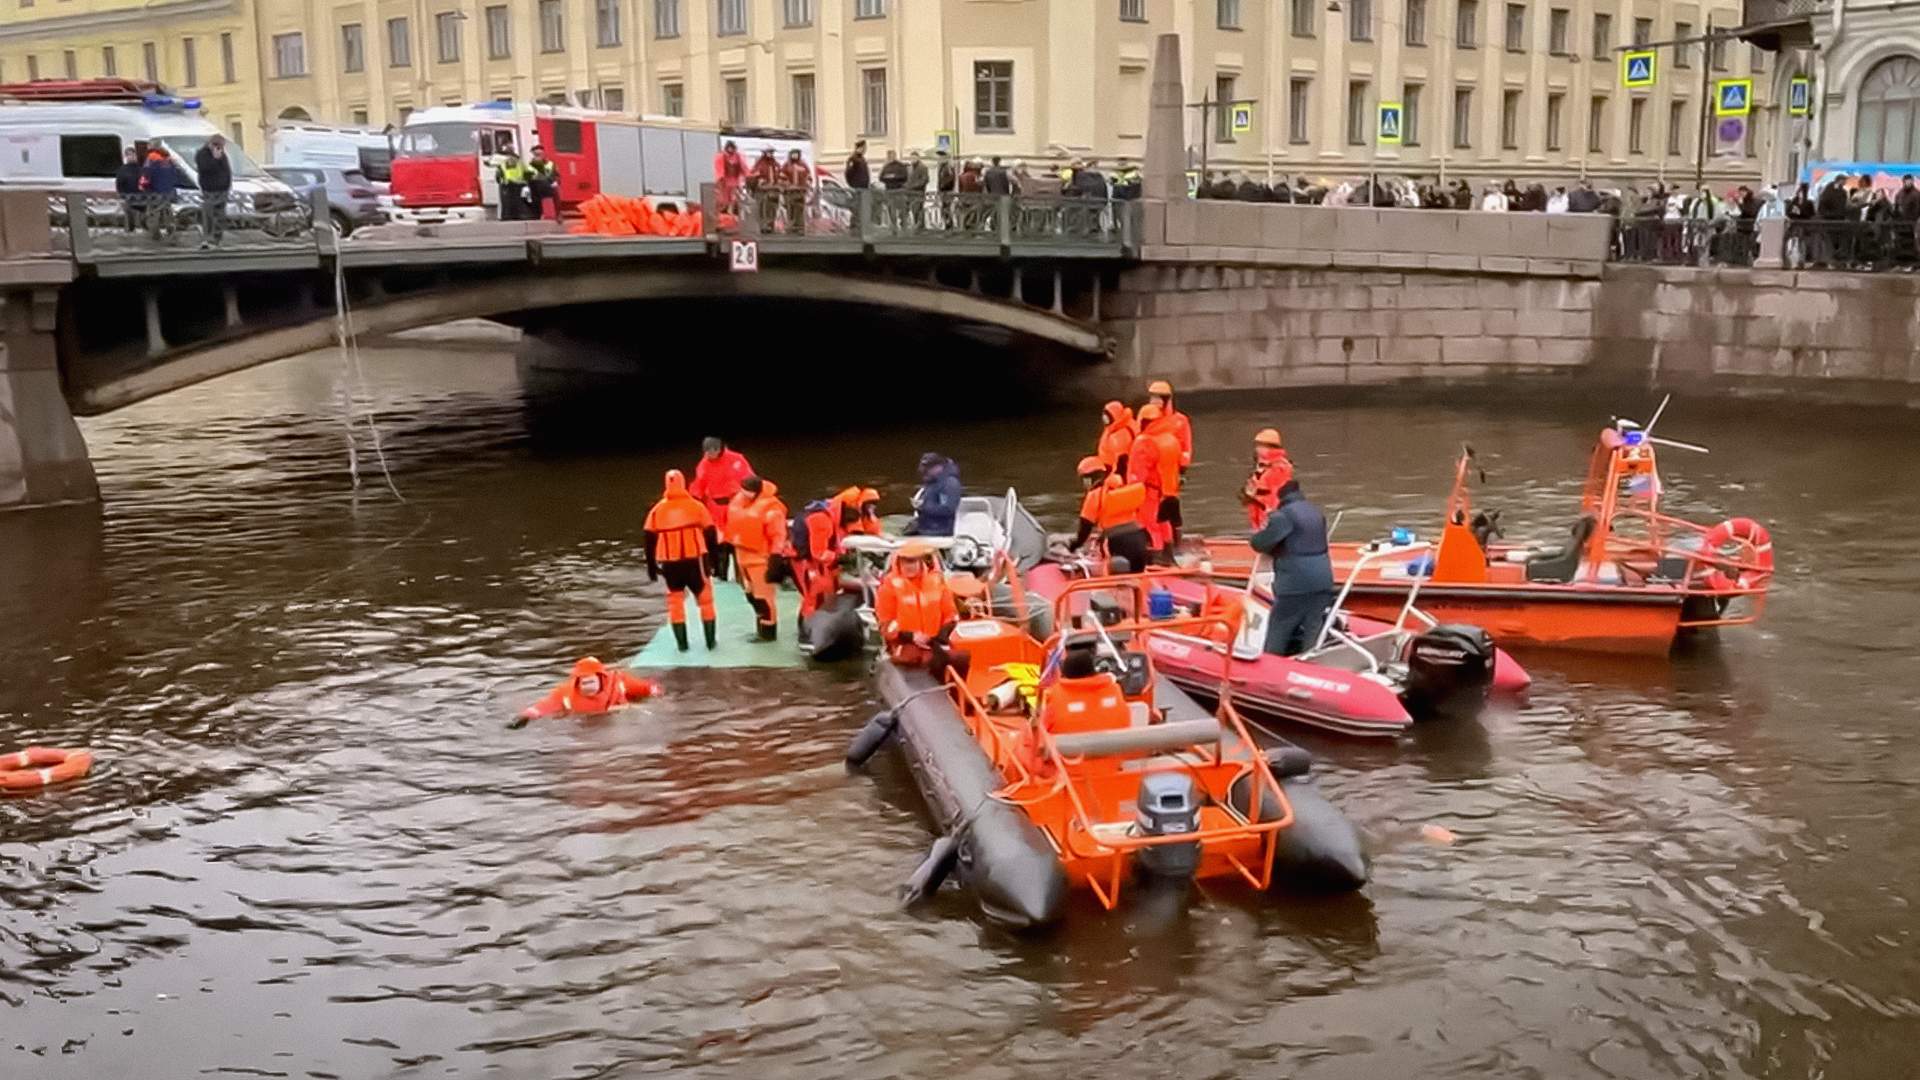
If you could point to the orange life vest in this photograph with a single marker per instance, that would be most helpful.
(1170, 457)
(1263, 487)
(1092, 703)
(678, 522)
(905, 605)
(757, 524)
(1112, 503)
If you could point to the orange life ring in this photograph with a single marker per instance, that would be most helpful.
(41, 766)
(1753, 535)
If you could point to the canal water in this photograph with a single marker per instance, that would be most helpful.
(310, 848)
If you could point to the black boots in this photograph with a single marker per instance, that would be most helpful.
(680, 635)
(769, 631)
(707, 625)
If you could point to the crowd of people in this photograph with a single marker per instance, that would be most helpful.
(148, 187)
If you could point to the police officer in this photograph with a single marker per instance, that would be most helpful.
(512, 176)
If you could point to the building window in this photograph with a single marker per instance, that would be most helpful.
(1682, 51)
(1676, 128)
(33, 67)
(1357, 112)
(108, 66)
(1227, 14)
(1510, 120)
(71, 61)
(1463, 118)
(1359, 20)
(1299, 100)
(873, 101)
(1410, 113)
(993, 95)
(189, 64)
(1717, 50)
(1301, 17)
(1887, 111)
(798, 12)
(1516, 27)
(1558, 23)
(803, 103)
(289, 55)
(736, 101)
(1416, 24)
(446, 28)
(399, 43)
(1556, 109)
(499, 32)
(1758, 61)
(1133, 10)
(553, 27)
(606, 22)
(360, 115)
(1223, 88)
(353, 48)
(612, 99)
(1637, 125)
(732, 17)
(1642, 32)
(876, 9)
(1603, 37)
(402, 112)
(236, 131)
(1597, 126)
(673, 99)
(666, 18)
(226, 58)
(1466, 24)
(150, 61)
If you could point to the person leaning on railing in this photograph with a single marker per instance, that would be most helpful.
(159, 181)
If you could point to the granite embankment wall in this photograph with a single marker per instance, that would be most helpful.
(1235, 296)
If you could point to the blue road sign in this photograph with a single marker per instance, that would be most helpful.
(1733, 97)
(1392, 123)
(1637, 69)
(1799, 96)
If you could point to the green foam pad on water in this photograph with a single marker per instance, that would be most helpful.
(735, 644)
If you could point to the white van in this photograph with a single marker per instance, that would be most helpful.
(77, 146)
(320, 146)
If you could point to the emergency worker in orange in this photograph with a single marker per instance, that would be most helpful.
(757, 529)
(1271, 471)
(1160, 392)
(869, 522)
(592, 689)
(1112, 506)
(796, 182)
(916, 612)
(679, 536)
(1161, 430)
(1116, 438)
(716, 479)
(816, 549)
(1146, 468)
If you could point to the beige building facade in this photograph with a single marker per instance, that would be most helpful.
(1487, 88)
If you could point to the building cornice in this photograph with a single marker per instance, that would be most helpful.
(63, 25)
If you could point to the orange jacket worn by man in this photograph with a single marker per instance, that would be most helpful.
(679, 533)
(1116, 438)
(915, 610)
(757, 529)
(1145, 467)
(593, 689)
(1271, 471)
(716, 479)
(869, 521)
(1162, 430)
(1160, 392)
(816, 569)
(1112, 506)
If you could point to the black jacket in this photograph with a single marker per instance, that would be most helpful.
(893, 175)
(998, 181)
(1832, 203)
(215, 172)
(126, 180)
(917, 176)
(857, 174)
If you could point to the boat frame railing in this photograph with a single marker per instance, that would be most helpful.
(1328, 630)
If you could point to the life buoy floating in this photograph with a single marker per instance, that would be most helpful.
(37, 767)
(1751, 535)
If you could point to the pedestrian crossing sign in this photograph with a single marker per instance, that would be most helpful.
(1637, 69)
(1733, 97)
(1240, 119)
(1392, 123)
(1799, 96)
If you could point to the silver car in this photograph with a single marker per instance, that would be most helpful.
(352, 199)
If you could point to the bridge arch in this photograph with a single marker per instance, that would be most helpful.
(556, 287)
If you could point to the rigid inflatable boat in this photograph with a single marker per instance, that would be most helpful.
(1628, 579)
(1074, 764)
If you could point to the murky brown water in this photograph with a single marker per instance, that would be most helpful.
(312, 851)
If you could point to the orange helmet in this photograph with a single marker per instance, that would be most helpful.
(1091, 465)
(1268, 437)
(868, 495)
(915, 549)
(1149, 412)
(1161, 387)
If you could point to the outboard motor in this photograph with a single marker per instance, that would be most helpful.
(1169, 805)
(1449, 670)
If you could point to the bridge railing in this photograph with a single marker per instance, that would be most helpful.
(92, 226)
(922, 219)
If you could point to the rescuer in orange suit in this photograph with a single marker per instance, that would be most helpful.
(679, 535)
(816, 554)
(1160, 428)
(796, 181)
(593, 689)
(915, 610)
(1160, 392)
(1271, 471)
(1152, 459)
(757, 529)
(729, 176)
(716, 479)
(764, 181)
(1116, 438)
(1112, 506)
(869, 523)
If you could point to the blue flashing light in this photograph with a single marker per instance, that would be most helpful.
(169, 103)
(505, 105)
(1402, 536)
(1635, 438)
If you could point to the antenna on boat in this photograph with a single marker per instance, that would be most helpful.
(1647, 432)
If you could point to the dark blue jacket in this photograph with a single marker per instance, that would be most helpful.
(937, 502)
(160, 177)
(1295, 535)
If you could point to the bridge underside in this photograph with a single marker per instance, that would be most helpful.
(111, 363)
